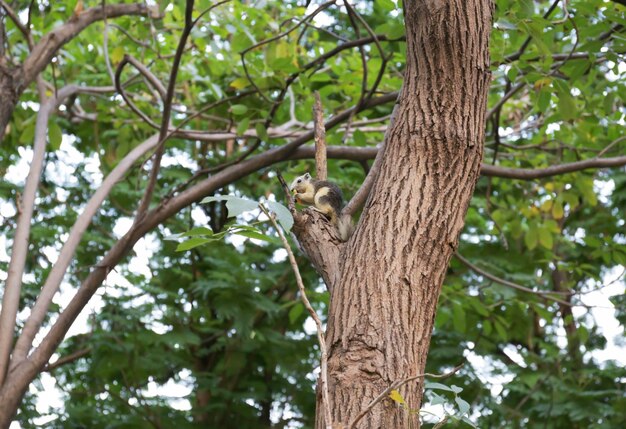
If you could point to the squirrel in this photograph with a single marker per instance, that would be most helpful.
(326, 198)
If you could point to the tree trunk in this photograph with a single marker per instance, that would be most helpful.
(383, 305)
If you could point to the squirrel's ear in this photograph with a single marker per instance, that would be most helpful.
(307, 175)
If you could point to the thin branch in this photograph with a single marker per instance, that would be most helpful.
(478, 270)
(318, 323)
(522, 49)
(278, 37)
(396, 385)
(320, 139)
(554, 170)
(16, 20)
(48, 46)
(67, 359)
(167, 110)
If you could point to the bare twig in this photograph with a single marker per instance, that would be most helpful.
(320, 139)
(67, 359)
(318, 323)
(167, 110)
(543, 294)
(396, 385)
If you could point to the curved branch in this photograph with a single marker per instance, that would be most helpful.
(48, 46)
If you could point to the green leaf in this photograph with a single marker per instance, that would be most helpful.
(261, 132)
(192, 243)
(545, 238)
(532, 237)
(458, 317)
(437, 386)
(55, 136)
(197, 231)
(239, 109)
(295, 312)
(235, 205)
(28, 135)
(456, 389)
(256, 236)
(283, 215)
(567, 105)
(243, 126)
(462, 404)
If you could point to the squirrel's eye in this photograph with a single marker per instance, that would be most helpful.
(299, 180)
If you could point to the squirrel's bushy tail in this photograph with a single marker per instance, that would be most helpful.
(345, 226)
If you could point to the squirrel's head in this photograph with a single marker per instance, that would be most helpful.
(299, 183)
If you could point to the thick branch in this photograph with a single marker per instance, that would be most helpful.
(21, 240)
(167, 110)
(487, 170)
(11, 298)
(53, 281)
(321, 172)
(67, 359)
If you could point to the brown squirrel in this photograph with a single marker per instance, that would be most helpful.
(326, 198)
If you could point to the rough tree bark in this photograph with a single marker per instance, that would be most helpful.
(384, 299)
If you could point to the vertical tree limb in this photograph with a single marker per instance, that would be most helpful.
(19, 249)
(321, 167)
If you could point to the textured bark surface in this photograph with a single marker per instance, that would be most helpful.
(9, 95)
(383, 305)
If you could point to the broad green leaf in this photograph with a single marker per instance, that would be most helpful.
(567, 105)
(239, 109)
(262, 132)
(462, 404)
(545, 238)
(456, 389)
(256, 236)
(192, 243)
(55, 136)
(295, 312)
(531, 238)
(243, 126)
(283, 215)
(437, 386)
(117, 54)
(235, 205)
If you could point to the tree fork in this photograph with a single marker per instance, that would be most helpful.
(384, 299)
